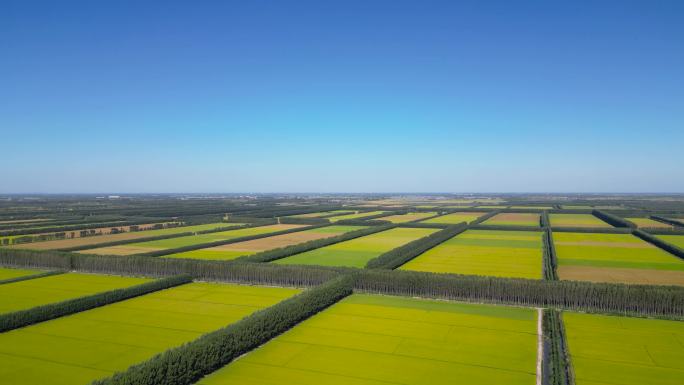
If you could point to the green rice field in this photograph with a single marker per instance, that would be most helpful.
(374, 340)
(649, 223)
(615, 258)
(172, 243)
(7, 273)
(82, 347)
(514, 219)
(56, 288)
(577, 220)
(677, 240)
(235, 250)
(485, 252)
(357, 252)
(627, 351)
(360, 215)
(409, 217)
(454, 218)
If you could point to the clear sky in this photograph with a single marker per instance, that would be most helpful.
(341, 96)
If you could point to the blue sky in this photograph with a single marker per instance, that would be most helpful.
(347, 96)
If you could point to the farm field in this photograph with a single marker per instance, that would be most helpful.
(321, 214)
(373, 340)
(410, 217)
(234, 250)
(171, 243)
(577, 220)
(627, 351)
(357, 252)
(356, 215)
(94, 240)
(94, 232)
(615, 258)
(532, 207)
(649, 223)
(677, 240)
(454, 218)
(485, 252)
(48, 225)
(82, 347)
(8, 273)
(514, 219)
(56, 288)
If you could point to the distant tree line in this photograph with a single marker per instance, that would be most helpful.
(78, 227)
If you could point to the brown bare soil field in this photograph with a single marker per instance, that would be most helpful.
(620, 275)
(102, 230)
(274, 242)
(81, 241)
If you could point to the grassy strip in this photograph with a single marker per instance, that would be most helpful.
(419, 225)
(227, 271)
(505, 227)
(37, 314)
(670, 248)
(544, 220)
(402, 254)
(188, 363)
(556, 369)
(549, 254)
(32, 276)
(602, 230)
(636, 300)
(284, 252)
(613, 219)
(205, 245)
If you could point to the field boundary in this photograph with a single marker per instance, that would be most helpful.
(404, 253)
(549, 257)
(186, 364)
(158, 253)
(556, 368)
(288, 251)
(666, 246)
(47, 312)
(31, 276)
